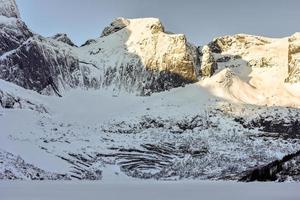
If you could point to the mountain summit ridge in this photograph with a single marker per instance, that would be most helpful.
(136, 56)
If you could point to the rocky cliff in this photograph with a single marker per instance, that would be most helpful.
(132, 55)
(32, 61)
(138, 56)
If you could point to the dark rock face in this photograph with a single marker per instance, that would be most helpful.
(29, 60)
(34, 62)
(13, 34)
(62, 37)
(47, 66)
(161, 81)
(134, 78)
(215, 46)
(37, 65)
(274, 127)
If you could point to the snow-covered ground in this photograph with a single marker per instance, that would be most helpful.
(190, 190)
(184, 133)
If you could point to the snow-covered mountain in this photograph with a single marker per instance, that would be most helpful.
(137, 57)
(141, 102)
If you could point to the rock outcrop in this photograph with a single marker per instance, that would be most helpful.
(39, 65)
(294, 59)
(9, 8)
(132, 55)
(168, 52)
(32, 61)
(255, 52)
(115, 26)
(208, 64)
(139, 56)
(240, 42)
(135, 55)
(13, 32)
(62, 37)
(88, 42)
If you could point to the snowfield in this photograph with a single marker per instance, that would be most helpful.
(190, 190)
(184, 133)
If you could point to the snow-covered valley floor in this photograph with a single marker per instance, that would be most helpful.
(184, 190)
(185, 133)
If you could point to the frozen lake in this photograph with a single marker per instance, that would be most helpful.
(144, 190)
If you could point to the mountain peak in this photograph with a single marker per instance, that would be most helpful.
(62, 37)
(115, 26)
(9, 8)
(138, 23)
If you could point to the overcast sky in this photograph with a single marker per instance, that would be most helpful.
(200, 20)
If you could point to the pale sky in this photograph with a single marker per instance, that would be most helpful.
(200, 20)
